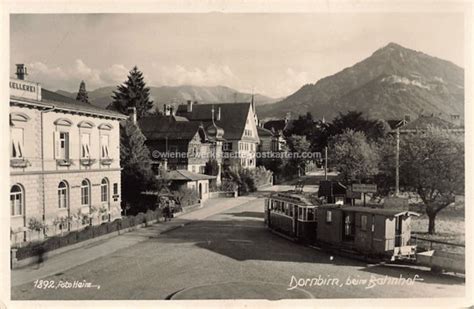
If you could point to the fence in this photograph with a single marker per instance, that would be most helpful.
(89, 232)
(430, 244)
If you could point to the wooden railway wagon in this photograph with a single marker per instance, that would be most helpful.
(374, 232)
(293, 215)
(371, 231)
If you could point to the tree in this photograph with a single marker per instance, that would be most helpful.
(303, 126)
(82, 95)
(432, 165)
(133, 93)
(355, 158)
(373, 129)
(135, 162)
(299, 147)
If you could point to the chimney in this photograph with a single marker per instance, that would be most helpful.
(190, 106)
(132, 113)
(218, 117)
(166, 110)
(21, 71)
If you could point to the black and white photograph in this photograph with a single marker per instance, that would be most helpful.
(236, 155)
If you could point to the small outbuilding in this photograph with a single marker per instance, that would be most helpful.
(374, 231)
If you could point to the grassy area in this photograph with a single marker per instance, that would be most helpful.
(449, 228)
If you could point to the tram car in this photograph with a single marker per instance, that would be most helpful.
(363, 231)
(292, 214)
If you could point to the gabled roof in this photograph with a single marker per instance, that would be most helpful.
(187, 175)
(159, 127)
(50, 98)
(276, 125)
(396, 123)
(423, 122)
(233, 117)
(331, 188)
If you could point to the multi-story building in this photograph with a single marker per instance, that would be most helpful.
(238, 121)
(182, 149)
(64, 162)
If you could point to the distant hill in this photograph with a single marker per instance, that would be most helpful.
(102, 97)
(394, 81)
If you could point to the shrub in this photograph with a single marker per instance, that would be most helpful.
(245, 179)
(185, 197)
(228, 186)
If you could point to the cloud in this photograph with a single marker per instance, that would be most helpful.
(211, 75)
(69, 77)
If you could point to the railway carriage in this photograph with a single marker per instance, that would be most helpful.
(366, 231)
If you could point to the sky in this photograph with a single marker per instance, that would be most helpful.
(272, 54)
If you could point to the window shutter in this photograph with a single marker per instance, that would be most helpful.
(57, 146)
(20, 149)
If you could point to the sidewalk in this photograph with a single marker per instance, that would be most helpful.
(92, 251)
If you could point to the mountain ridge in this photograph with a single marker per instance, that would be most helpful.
(376, 86)
(102, 96)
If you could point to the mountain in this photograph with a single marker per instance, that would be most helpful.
(394, 81)
(102, 97)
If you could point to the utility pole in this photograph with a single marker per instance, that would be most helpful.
(326, 163)
(397, 165)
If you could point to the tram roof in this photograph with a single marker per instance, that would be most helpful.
(376, 211)
(304, 199)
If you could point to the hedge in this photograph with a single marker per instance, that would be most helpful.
(88, 232)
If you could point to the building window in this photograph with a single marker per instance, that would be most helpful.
(115, 188)
(104, 146)
(363, 223)
(63, 195)
(62, 145)
(328, 216)
(17, 143)
(227, 146)
(16, 200)
(85, 192)
(104, 191)
(85, 145)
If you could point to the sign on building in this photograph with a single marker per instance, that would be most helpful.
(364, 188)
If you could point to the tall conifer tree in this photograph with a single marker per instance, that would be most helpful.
(133, 93)
(82, 93)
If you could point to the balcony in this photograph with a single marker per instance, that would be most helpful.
(106, 161)
(64, 162)
(87, 162)
(19, 163)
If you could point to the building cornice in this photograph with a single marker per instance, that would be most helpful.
(50, 106)
(65, 171)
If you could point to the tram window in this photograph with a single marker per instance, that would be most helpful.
(363, 223)
(291, 210)
(286, 209)
(300, 213)
(328, 216)
(310, 214)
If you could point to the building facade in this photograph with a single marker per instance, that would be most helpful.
(238, 121)
(64, 163)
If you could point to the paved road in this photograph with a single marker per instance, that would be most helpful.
(231, 255)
